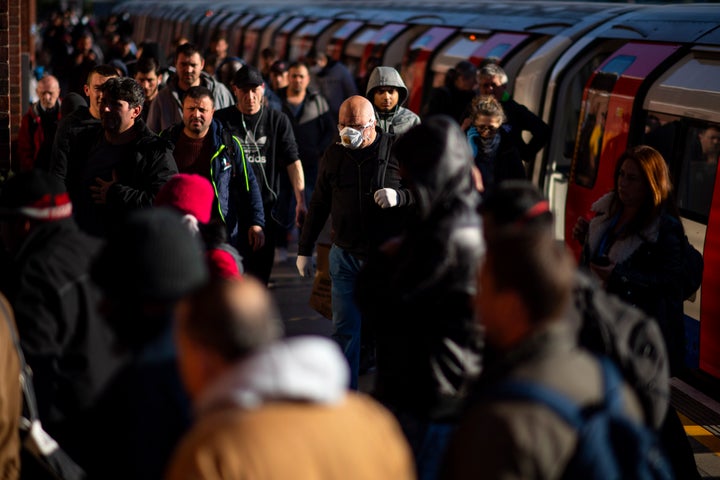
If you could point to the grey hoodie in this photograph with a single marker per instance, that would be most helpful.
(400, 119)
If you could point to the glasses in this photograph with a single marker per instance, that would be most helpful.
(486, 128)
(359, 128)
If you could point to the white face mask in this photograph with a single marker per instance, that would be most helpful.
(351, 138)
(314, 69)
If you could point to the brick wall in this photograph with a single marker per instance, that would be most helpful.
(4, 84)
(16, 19)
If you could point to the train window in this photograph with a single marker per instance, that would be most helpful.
(618, 64)
(692, 150)
(590, 137)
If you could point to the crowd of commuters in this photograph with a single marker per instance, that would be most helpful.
(140, 230)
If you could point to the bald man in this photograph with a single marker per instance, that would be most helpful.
(272, 408)
(39, 124)
(359, 184)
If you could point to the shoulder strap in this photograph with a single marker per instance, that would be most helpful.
(386, 142)
(559, 403)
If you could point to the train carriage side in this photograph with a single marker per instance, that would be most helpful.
(660, 85)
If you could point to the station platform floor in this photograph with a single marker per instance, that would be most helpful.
(699, 412)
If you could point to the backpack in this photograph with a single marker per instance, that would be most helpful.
(631, 338)
(611, 446)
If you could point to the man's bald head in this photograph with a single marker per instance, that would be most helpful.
(358, 113)
(48, 91)
(232, 318)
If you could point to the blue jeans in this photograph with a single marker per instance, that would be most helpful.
(344, 269)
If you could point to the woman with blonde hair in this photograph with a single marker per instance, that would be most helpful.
(494, 153)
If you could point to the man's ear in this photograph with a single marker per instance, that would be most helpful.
(136, 111)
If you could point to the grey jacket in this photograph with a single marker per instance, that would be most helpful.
(400, 119)
(166, 109)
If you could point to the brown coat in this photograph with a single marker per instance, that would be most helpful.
(356, 439)
(10, 398)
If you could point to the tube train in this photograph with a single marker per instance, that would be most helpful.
(604, 76)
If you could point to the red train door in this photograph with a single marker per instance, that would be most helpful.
(605, 122)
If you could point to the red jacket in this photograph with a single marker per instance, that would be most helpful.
(31, 136)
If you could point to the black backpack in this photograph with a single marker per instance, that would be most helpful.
(611, 446)
(633, 340)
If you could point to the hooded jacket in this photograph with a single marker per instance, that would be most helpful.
(419, 296)
(400, 119)
(166, 109)
(285, 412)
(239, 203)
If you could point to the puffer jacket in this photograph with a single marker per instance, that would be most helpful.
(400, 119)
(166, 109)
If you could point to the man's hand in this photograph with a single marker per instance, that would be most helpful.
(256, 237)
(300, 214)
(386, 197)
(305, 266)
(100, 189)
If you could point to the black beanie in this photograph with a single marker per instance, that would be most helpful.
(153, 256)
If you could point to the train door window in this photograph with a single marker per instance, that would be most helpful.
(590, 137)
(588, 146)
(356, 48)
(461, 47)
(689, 93)
(692, 150)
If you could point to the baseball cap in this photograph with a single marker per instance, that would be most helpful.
(279, 67)
(248, 76)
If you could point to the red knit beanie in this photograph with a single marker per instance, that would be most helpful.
(190, 193)
(222, 265)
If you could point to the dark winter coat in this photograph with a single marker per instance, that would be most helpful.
(347, 181)
(419, 295)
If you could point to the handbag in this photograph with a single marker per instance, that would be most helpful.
(37, 444)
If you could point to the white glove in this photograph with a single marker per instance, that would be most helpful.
(305, 266)
(386, 197)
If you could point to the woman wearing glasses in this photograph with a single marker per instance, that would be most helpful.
(496, 156)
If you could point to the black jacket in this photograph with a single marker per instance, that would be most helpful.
(347, 181)
(141, 173)
(64, 337)
(520, 119)
(419, 296)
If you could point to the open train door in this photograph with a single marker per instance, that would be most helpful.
(608, 102)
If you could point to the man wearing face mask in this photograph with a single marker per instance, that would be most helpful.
(359, 184)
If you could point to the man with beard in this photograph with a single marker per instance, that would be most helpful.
(166, 109)
(147, 74)
(125, 163)
(204, 147)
